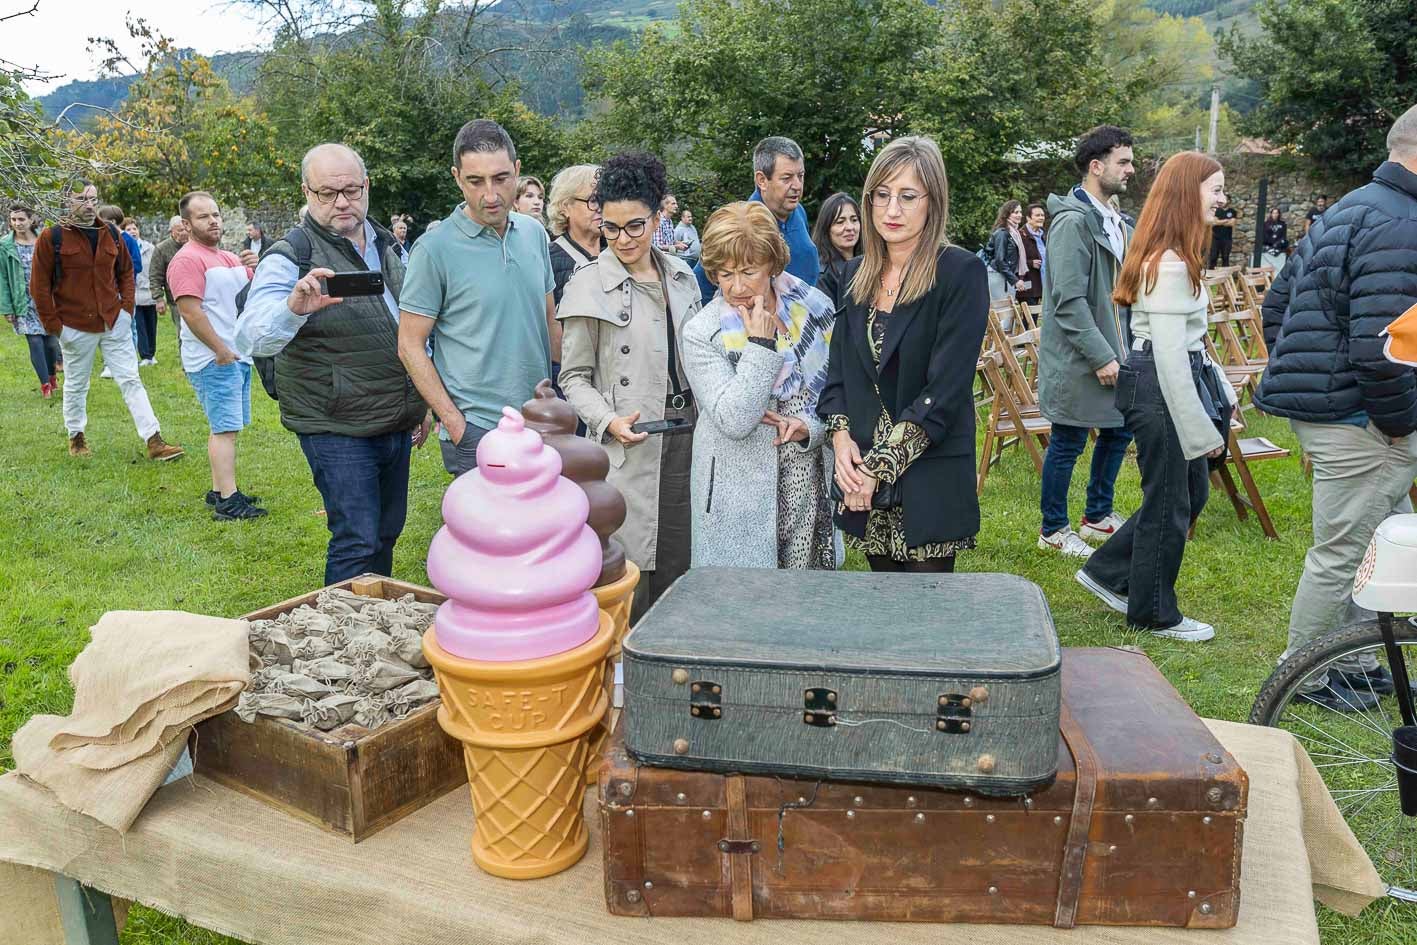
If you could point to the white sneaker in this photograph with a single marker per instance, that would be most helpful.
(1116, 601)
(147, 362)
(1189, 629)
(1066, 541)
(1103, 530)
(106, 372)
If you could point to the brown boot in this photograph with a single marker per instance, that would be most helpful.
(163, 451)
(77, 446)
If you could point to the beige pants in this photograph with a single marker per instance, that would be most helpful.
(1361, 476)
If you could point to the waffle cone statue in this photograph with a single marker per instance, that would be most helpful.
(586, 464)
(519, 649)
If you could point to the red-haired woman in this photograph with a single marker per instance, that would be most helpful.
(1173, 398)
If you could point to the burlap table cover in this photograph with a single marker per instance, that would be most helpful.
(228, 863)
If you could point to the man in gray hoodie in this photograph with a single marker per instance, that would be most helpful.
(1083, 342)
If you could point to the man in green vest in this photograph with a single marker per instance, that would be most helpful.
(343, 390)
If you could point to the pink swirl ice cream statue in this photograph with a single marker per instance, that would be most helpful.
(519, 648)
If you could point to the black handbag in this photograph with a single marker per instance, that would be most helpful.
(886, 496)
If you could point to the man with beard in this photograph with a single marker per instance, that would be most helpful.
(205, 280)
(1083, 342)
(83, 289)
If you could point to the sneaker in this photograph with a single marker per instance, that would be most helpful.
(1339, 698)
(77, 446)
(1116, 601)
(213, 498)
(147, 362)
(163, 451)
(106, 372)
(1067, 541)
(1100, 531)
(1189, 629)
(236, 506)
(1376, 681)
(46, 391)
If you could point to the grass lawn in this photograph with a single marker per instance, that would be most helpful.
(119, 532)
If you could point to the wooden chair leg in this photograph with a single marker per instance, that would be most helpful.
(984, 458)
(87, 914)
(1256, 500)
(1228, 484)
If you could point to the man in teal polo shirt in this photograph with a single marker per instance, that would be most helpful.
(481, 288)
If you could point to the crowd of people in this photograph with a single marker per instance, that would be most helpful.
(769, 392)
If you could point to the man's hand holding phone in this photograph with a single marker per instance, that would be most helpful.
(307, 297)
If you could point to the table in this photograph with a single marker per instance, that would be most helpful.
(231, 864)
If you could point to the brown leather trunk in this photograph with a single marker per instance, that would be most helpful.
(1142, 827)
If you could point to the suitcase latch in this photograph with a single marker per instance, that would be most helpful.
(819, 707)
(739, 846)
(706, 700)
(952, 714)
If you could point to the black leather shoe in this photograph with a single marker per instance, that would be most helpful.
(1339, 698)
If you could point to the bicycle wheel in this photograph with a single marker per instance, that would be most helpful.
(1351, 749)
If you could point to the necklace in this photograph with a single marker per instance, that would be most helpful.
(889, 291)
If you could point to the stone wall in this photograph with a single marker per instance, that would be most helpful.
(234, 219)
(1294, 184)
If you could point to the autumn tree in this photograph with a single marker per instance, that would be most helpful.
(181, 128)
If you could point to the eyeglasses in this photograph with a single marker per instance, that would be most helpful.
(591, 203)
(881, 198)
(85, 198)
(634, 229)
(327, 196)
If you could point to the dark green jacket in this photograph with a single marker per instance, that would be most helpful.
(1082, 328)
(341, 372)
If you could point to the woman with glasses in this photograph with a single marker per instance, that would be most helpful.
(620, 315)
(898, 396)
(574, 222)
(757, 359)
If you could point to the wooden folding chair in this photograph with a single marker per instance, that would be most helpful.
(1023, 317)
(1006, 422)
(1242, 451)
(1022, 383)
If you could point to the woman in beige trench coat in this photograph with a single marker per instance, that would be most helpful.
(620, 317)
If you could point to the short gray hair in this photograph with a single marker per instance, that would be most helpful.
(564, 186)
(174, 221)
(766, 153)
(1402, 139)
(321, 149)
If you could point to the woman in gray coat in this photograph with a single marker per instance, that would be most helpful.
(756, 358)
(620, 366)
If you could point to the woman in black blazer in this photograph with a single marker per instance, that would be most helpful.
(898, 398)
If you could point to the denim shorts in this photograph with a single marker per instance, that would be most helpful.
(224, 391)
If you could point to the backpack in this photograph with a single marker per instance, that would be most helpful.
(299, 240)
(56, 239)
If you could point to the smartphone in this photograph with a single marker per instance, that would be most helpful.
(346, 284)
(667, 427)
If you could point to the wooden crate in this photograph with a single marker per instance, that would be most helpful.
(351, 780)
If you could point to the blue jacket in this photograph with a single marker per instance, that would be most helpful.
(802, 261)
(1354, 272)
(134, 250)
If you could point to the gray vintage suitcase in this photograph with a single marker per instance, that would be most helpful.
(949, 680)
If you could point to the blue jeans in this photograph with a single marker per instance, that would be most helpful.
(364, 482)
(1064, 447)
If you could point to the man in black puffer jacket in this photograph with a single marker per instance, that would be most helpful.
(1353, 410)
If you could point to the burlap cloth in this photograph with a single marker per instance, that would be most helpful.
(228, 863)
(143, 681)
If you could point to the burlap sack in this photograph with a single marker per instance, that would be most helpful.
(146, 675)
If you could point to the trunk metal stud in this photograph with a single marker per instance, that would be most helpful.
(680, 797)
(993, 890)
(680, 676)
(707, 815)
(681, 746)
(1058, 820)
(1207, 908)
(632, 895)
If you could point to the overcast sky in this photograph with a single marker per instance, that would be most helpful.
(55, 38)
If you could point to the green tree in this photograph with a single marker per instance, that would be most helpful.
(983, 77)
(395, 85)
(1333, 75)
(179, 129)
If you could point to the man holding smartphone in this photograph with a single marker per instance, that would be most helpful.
(342, 389)
(204, 280)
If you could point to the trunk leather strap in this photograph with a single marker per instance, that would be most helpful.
(740, 865)
(1075, 851)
